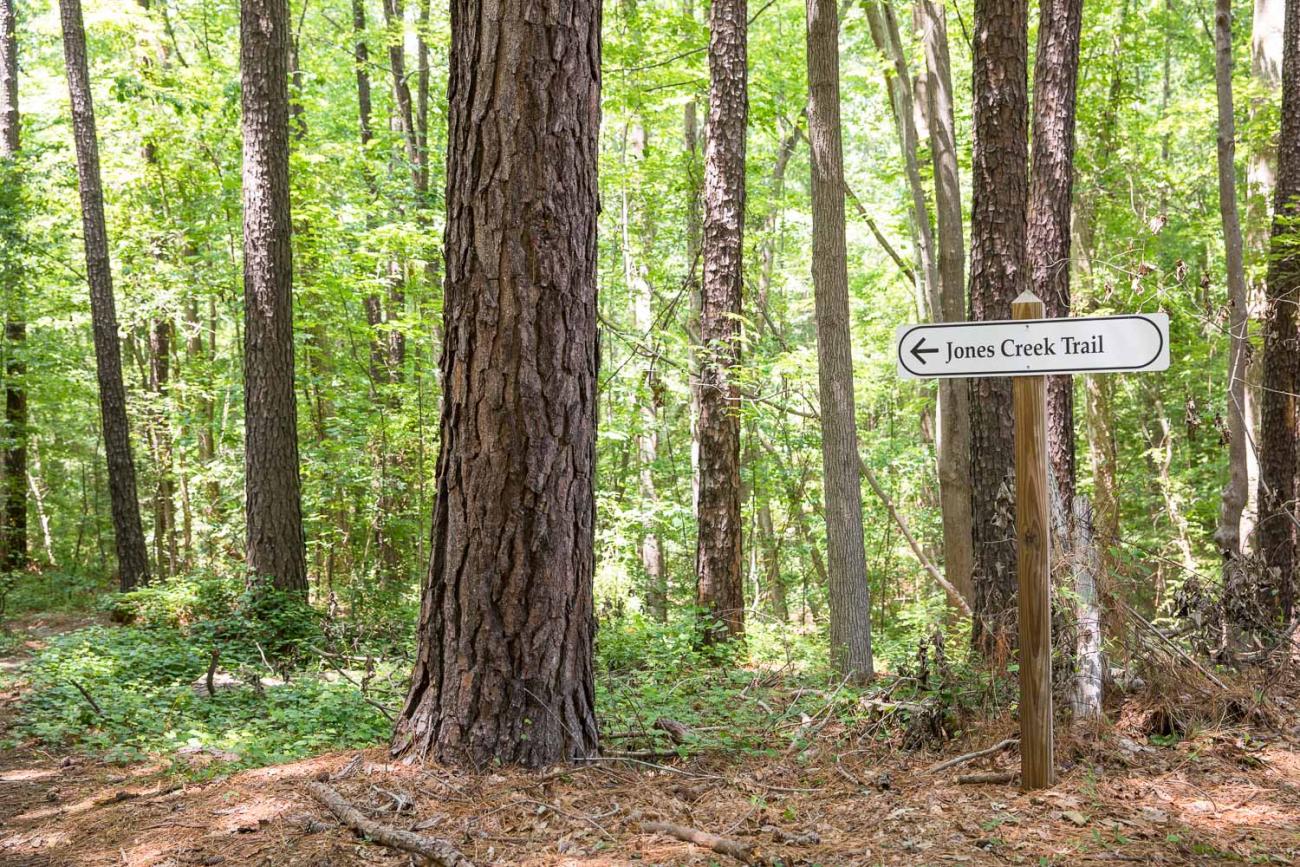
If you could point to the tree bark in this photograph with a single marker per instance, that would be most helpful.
(850, 595)
(720, 587)
(132, 555)
(998, 216)
(504, 666)
(1237, 490)
(276, 546)
(166, 552)
(1278, 422)
(395, 19)
(13, 543)
(954, 394)
(1051, 182)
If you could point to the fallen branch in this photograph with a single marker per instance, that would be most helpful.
(437, 851)
(746, 853)
(995, 777)
(978, 754)
(925, 562)
(1176, 649)
(87, 696)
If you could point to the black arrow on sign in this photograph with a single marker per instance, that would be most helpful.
(921, 353)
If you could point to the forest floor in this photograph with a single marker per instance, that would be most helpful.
(1229, 795)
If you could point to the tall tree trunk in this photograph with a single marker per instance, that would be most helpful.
(13, 544)
(276, 546)
(504, 667)
(720, 585)
(1278, 422)
(637, 281)
(394, 18)
(885, 34)
(999, 202)
(850, 596)
(1261, 171)
(1051, 182)
(954, 394)
(132, 555)
(166, 552)
(1237, 490)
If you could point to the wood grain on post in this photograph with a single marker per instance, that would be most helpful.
(1033, 537)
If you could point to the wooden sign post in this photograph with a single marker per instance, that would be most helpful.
(1033, 538)
(1029, 348)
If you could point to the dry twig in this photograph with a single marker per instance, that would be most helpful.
(746, 853)
(437, 851)
(967, 757)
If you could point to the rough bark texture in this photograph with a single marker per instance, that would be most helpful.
(718, 559)
(504, 669)
(954, 394)
(849, 595)
(997, 276)
(132, 555)
(1278, 422)
(13, 543)
(1051, 181)
(276, 547)
(1237, 490)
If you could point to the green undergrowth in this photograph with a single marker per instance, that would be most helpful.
(135, 689)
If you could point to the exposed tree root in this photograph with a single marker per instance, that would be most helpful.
(435, 850)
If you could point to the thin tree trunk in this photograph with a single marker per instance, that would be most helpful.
(850, 595)
(1090, 674)
(1278, 424)
(504, 666)
(1051, 182)
(13, 544)
(166, 553)
(954, 395)
(1236, 492)
(35, 481)
(1261, 172)
(885, 34)
(998, 216)
(276, 546)
(132, 555)
(394, 18)
(719, 578)
(636, 278)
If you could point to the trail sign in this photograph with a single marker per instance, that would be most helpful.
(1132, 343)
(1030, 348)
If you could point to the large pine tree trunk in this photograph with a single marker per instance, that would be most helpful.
(1278, 422)
(1237, 490)
(13, 543)
(132, 555)
(999, 201)
(504, 669)
(276, 547)
(720, 587)
(850, 599)
(1051, 181)
(954, 394)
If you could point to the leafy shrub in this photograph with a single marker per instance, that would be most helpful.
(139, 681)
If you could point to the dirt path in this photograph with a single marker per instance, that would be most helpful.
(1215, 798)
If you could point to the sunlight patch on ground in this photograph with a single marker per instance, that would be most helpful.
(27, 774)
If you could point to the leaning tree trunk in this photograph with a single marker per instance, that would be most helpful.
(504, 667)
(132, 555)
(276, 547)
(998, 169)
(1278, 422)
(954, 394)
(720, 587)
(13, 543)
(1237, 490)
(1051, 181)
(850, 596)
